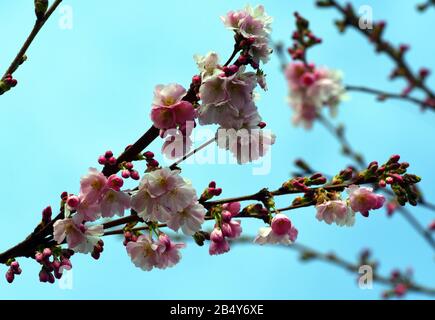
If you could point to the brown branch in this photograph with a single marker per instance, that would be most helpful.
(382, 95)
(333, 259)
(426, 5)
(36, 28)
(350, 19)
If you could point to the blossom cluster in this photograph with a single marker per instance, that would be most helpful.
(342, 212)
(312, 88)
(221, 94)
(228, 228)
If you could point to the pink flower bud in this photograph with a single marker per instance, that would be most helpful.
(39, 257)
(212, 184)
(112, 161)
(108, 154)
(262, 124)
(102, 160)
(46, 253)
(56, 265)
(134, 175)
(307, 79)
(281, 224)
(96, 255)
(153, 163)
(15, 265)
(129, 165)
(73, 202)
(216, 235)
(114, 182)
(125, 174)
(43, 275)
(394, 158)
(232, 207)
(196, 80)
(66, 263)
(233, 69)
(10, 276)
(51, 278)
(226, 216)
(149, 155)
(46, 214)
(400, 289)
(432, 226)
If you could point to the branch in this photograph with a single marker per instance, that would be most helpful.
(382, 95)
(308, 253)
(426, 5)
(374, 35)
(21, 56)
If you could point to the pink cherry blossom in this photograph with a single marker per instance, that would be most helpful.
(232, 207)
(143, 252)
(332, 211)
(281, 224)
(363, 199)
(69, 230)
(114, 182)
(252, 23)
(162, 193)
(208, 65)
(88, 211)
(189, 219)
(246, 144)
(92, 235)
(160, 182)
(267, 236)
(232, 229)
(114, 203)
(218, 243)
(168, 109)
(311, 88)
(92, 186)
(168, 253)
(228, 101)
(281, 231)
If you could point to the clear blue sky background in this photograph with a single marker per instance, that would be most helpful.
(88, 89)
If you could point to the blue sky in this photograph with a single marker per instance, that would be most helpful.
(89, 89)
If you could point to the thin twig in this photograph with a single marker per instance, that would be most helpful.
(382, 95)
(36, 28)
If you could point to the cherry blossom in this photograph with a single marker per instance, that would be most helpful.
(114, 203)
(143, 252)
(189, 219)
(168, 252)
(362, 199)
(311, 88)
(162, 193)
(252, 23)
(92, 186)
(218, 243)
(69, 230)
(168, 109)
(281, 231)
(332, 211)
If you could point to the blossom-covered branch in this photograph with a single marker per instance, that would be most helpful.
(397, 54)
(43, 13)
